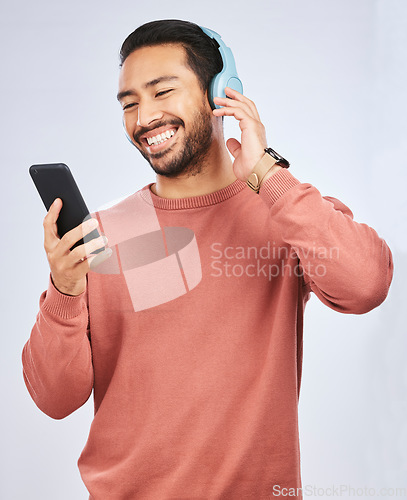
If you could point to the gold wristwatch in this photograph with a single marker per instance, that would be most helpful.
(265, 164)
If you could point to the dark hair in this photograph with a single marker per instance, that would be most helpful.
(203, 56)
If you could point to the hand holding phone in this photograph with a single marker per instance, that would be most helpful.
(71, 243)
(70, 267)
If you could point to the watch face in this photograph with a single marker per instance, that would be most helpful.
(280, 160)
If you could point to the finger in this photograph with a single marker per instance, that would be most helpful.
(95, 260)
(238, 113)
(53, 211)
(51, 237)
(234, 147)
(92, 246)
(83, 251)
(226, 101)
(74, 235)
(234, 94)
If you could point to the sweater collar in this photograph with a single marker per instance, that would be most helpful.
(194, 201)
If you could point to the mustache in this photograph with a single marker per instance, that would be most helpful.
(144, 130)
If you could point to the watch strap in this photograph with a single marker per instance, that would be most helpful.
(261, 168)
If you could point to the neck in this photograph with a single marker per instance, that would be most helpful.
(216, 173)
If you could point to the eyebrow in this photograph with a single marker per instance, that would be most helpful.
(152, 83)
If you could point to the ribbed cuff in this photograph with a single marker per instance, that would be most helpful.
(64, 306)
(276, 185)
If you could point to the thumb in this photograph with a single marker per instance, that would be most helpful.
(52, 216)
(51, 236)
(234, 147)
(55, 208)
(54, 211)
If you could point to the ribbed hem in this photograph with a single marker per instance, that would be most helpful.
(64, 306)
(194, 201)
(276, 185)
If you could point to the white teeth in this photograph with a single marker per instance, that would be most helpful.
(158, 139)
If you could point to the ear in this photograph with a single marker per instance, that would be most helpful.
(208, 98)
(207, 102)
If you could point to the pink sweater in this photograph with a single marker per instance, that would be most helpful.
(190, 336)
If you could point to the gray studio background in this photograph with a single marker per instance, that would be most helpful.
(329, 79)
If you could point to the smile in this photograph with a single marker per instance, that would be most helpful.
(160, 138)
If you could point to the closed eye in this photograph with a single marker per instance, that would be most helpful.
(158, 94)
(127, 106)
(163, 92)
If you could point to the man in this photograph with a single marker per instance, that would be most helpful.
(190, 333)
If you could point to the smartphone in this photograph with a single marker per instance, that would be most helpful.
(55, 180)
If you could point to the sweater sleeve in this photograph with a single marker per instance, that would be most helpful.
(57, 359)
(345, 263)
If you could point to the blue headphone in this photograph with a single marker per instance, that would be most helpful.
(228, 76)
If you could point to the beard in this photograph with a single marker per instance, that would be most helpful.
(194, 150)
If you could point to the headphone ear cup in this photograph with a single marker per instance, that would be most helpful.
(235, 84)
(211, 93)
(228, 77)
(218, 84)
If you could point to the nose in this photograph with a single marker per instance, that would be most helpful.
(148, 112)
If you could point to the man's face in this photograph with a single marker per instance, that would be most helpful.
(165, 111)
